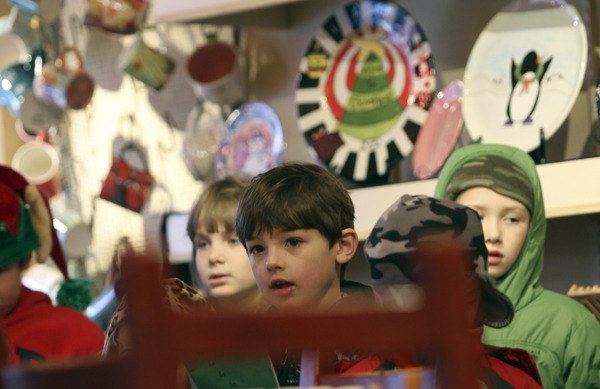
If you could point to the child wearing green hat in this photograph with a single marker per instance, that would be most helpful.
(501, 183)
(35, 330)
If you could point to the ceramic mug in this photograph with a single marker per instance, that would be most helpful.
(116, 16)
(28, 134)
(65, 86)
(17, 80)
(151, 66)
(215, 71)
(38, 162)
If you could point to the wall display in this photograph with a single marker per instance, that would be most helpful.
(440, 132)
(116, 16)
(39, 163)
(365, 83)
(204, 132)
(129, 181)
(253, 142)
(524, 73)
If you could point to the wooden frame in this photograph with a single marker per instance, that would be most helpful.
(163, 339)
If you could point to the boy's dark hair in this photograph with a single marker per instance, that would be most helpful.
(295, 196)
(216, 206)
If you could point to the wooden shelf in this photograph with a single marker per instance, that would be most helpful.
(219, 11)
(570, 188)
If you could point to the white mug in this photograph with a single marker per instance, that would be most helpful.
(39, 163)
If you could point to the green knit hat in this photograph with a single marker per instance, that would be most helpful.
(496, 173)
(18, 239)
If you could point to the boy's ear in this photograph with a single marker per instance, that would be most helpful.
(346, 246)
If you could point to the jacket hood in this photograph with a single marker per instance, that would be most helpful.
(521, 282)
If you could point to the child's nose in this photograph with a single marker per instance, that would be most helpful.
(491, 231)
(274, 261)
(216, 254)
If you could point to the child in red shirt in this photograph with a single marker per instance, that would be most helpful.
(34, 329)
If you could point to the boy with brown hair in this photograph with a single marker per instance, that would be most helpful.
(297, 224)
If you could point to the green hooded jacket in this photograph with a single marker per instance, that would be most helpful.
(560, 333)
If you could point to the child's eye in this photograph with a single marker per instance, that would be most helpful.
(294, 242)
(257, 249)
(201, 244)
(233, 241)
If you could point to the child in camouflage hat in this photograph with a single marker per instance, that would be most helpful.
(414, 223)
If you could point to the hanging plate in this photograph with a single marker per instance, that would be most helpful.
(365, 83)
(524, 73)
(253, 142)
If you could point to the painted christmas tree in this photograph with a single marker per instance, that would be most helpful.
(372, 108)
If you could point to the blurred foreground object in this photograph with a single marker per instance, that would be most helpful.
(162, 339)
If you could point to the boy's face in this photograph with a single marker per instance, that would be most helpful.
(505, 223)
(297, 269)
(10, 288)
(223, 264)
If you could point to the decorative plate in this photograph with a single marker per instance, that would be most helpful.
(204, 132)
(524, 73)
(253, 142)
(365, 83)
(440, 132)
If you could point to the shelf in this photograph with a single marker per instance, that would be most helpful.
(570, 188)
(222, 11)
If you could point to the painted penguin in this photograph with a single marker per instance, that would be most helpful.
(526, 86)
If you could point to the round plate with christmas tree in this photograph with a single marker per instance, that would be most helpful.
(365, 83)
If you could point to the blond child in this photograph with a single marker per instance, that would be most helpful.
(220, 267)
(501, 183)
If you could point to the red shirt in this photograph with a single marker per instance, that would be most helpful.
(500, 366)
(38, 331)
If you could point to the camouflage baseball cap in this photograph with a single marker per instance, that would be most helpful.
(410, 219)
(496, 173)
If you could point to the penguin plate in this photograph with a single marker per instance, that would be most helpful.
(524, 73)
(363, 90)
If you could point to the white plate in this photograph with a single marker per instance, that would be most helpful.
(365, 83)
(543, 40)
(253, 142)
